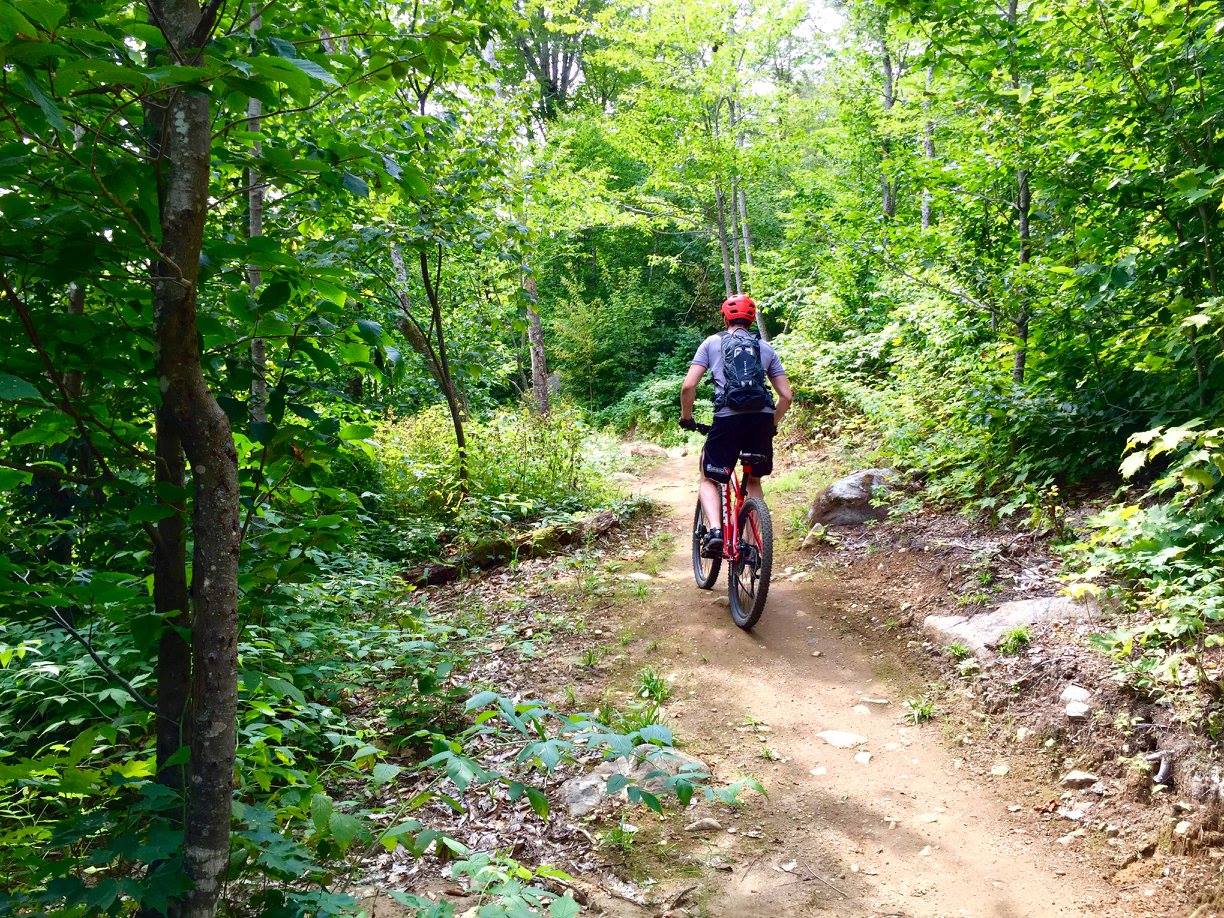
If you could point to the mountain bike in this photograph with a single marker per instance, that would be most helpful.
(747, 545)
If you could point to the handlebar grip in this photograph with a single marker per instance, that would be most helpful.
(703, 428)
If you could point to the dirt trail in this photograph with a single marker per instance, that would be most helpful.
(907, 833)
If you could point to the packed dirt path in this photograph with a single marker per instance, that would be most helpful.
(908, 833)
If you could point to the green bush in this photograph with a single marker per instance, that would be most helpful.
(651, 410)
(1164, 548)
(521, 470)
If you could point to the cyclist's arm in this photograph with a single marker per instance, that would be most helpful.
(785, 396)
(688, 391)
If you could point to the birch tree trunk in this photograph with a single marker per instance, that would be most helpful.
(190, 419)
(539, 362)
(536, 350)
(928, 146)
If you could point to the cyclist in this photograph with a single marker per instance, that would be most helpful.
(746, 415)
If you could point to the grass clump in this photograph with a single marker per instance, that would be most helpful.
(920, 709)
(652, 686)
(1015, 641)
(958, 651)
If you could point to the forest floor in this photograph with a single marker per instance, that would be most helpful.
(952, 816)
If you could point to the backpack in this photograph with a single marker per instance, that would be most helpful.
(744, 375)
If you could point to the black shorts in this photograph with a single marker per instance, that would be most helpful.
(734, 435)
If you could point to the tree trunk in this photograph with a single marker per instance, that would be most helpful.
(1023, 203)
(736, 270)
(888, 191)
(172, 603)
(720, 217)
(453, 400)
(1023, 207)
(746, 232)
(423, 345)
(928, 147)
(539, 362)
(189, 417)
(255, 207)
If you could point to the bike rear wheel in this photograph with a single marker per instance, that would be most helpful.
(748, 576)
(705, 570)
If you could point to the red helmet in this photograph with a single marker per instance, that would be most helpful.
(739, 306)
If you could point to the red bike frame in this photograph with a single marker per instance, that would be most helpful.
(734, 494)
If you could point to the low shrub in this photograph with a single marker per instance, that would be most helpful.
(522, 469)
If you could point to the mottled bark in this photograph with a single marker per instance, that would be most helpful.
(180, 145)
(888, 189)
(928, 147)
(539, 361)
(171, 600)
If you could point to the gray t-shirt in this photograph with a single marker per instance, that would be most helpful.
(709, 355)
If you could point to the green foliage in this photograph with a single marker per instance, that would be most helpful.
(1015, 641)
(958, 651)
(620, 837)
(919, 710)
(1165, 547)
(649, 410)
(652, 686)
(521, 470)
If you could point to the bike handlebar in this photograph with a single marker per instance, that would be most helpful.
(693, 424)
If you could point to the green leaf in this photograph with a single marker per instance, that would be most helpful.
(345, 828)
(565, 907)
(355, 184)
(290, 53)
(538, 802)
(82, 746)
(385, 772)
(320, 811)
(13, 389)
(480, 700)
(1133, 463)
(10, 479)
(45, 13)
(355, 432)
(150, 513)
(13, 24)
(49, 109)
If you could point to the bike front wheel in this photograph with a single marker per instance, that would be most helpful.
(748, 575)
(705, 570)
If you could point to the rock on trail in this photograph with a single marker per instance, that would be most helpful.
(848, 501)
(981, 633)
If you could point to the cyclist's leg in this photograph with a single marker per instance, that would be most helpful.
(718, 458)
(711, 502)
(758, 439)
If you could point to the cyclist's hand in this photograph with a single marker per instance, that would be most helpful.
(688, 424)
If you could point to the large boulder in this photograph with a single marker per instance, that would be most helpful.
(848, 501)
(981, 633)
